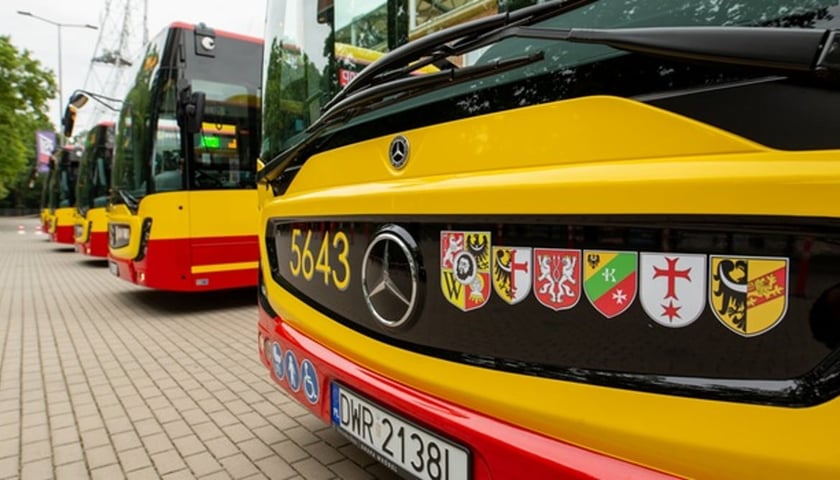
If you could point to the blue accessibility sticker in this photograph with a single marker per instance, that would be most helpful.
(292, 370)
(277, 360)
(335, 401)
(310, 381)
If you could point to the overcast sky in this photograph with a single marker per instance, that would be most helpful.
(78, 44)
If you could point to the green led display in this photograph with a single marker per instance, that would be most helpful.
(210, 142)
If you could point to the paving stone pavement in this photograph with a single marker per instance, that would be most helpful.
(102, 379)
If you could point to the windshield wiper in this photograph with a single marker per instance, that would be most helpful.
(386, 77)
(378, 96)
(455, 40)
(129, 199)
(780, 49)
(400, 89)
(384, 94)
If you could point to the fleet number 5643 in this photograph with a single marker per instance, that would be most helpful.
(303, 261)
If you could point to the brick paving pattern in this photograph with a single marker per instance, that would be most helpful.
(102, 379)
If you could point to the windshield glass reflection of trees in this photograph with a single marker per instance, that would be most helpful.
(133, 142)
(309, 59)
(572, 69)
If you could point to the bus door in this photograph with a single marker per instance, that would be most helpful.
(221, 182)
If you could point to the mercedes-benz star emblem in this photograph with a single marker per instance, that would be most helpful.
(390, 277)
(398, 152)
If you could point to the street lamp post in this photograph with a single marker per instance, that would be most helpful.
(59, 25)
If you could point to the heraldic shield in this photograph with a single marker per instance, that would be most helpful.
(512, 273)
(557, 277)
(749, 294)
(465, 268)
(609, 280)
(672, 287)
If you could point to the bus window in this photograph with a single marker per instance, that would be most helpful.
(226, 145)
(167, 165)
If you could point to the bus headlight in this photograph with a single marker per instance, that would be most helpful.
(118, 235)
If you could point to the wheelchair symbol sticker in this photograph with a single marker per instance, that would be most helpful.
(310, 381)
(277, 360)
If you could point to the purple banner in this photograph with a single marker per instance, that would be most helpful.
(45, 145)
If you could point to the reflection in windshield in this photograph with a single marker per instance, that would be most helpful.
(573, 69)
(149, 156)
(132, 148)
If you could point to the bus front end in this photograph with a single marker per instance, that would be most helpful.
(188, 250)
(579, 248)
(62, 226)
(44, 217)
(62, 194)
(182, 213)
(91, 232)
(94, 176)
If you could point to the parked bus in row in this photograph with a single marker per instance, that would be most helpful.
(94, 179)
(597, 240)
(61, 192)
(182, 213)
(46, 214)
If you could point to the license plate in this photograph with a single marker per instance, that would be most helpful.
(395, 441)
(112, 266)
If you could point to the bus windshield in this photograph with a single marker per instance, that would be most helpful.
(95, 168)
(62, 187)
(150, 157)
(307, 64)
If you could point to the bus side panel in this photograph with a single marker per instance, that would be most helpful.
(223, 225)
(210, 251)
(163, 267)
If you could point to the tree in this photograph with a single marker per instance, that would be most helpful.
(25, 88)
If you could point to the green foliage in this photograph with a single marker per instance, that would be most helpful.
(295, 91)
(25, 88)
(26, 193)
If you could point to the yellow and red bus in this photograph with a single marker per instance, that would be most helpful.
(182, 213)
(61, 193)
(94, 179)
(46, 214)
(598, 242)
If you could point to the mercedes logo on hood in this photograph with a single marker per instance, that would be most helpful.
(398, 152)
(391, 277)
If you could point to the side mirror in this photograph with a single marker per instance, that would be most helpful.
(190, 108)
(325, 11)
(79, 99)
(68, 120)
